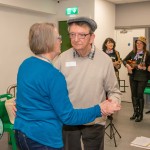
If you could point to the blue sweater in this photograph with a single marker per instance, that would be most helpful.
(43, 105)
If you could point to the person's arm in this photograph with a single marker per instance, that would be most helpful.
(64, 109)
(104, 115)
(147, 62)
(111, 85)
(128, 57)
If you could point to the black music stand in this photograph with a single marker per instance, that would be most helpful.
(113, 130)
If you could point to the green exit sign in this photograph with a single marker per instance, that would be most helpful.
(72, 11)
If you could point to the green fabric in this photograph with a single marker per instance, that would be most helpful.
(147, 89)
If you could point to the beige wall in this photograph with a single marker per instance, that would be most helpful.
(133, 14)
(46, 6)
(14, 28)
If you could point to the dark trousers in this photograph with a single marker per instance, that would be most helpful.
(137, 88)
(25, 143)
(137, 91)
(92, 137)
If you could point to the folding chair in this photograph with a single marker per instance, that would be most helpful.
(7, 125)
(12, 90)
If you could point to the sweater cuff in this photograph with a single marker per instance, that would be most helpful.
(98, 111)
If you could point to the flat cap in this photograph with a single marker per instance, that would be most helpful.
(87, 20)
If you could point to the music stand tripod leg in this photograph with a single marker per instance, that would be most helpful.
(106, 132)
(113, 130)
(112, 133)
(113, 136)
(116, 131)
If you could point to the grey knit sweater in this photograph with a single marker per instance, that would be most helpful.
(88, 80)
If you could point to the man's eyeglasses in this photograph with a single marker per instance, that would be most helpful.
(79, 35)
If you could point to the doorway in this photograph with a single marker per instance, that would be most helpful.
(63, 31)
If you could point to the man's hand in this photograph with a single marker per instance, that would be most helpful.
(108, 107)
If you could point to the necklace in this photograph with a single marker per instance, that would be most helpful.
(48, 60)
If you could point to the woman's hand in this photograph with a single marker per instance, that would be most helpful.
(117, 64)
(129, 68)
(148, 68)
(108, 107)
(141, 67)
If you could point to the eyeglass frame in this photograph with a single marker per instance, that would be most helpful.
(59, 37)
(78, 34)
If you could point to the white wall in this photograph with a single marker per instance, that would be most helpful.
(14, 28)
(134, 14)
(104, 15)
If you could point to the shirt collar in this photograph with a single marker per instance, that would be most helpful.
(109, 51)
(90, 55)
(137, 55)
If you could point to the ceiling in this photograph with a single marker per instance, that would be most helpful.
(126, 1)
(118, 1)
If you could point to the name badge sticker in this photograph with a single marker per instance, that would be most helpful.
(71, 64)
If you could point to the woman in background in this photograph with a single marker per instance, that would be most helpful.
(42, 101)
(109, 48)
(136, 63)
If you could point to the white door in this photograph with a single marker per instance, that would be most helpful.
(124, 44)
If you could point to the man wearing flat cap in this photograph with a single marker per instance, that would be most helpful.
(89, 74)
